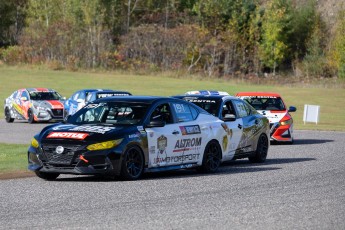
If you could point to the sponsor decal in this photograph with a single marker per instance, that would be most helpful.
(68, 135)
(102, 95)
(93, 129)
(258, 97)
(190, 129)
(135, 135)
(177, 159)
(201, 100)
(59, 127)
(187, 144)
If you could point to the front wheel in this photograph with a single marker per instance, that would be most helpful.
(212, 157)
(47, 176)
(8, 116)
(261, 150)
(132, 165)
(31, 118)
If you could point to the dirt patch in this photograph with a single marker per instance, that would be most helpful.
(16, 175)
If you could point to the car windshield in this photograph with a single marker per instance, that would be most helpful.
(266, 103)
(116, 113)
(44, 96)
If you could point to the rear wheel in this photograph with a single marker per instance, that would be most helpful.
(8, 116)
(261, 150)
(47, 176)
(132, 165)
(212, 157)
(31, 118)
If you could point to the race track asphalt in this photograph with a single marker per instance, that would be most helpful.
(300, 186)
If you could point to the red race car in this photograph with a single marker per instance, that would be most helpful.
(34, 105)
(273, 107)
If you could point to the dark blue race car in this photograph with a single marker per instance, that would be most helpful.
(129, 135)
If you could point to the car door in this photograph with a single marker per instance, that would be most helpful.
(234, 128)
(162, 140)
(249, 125)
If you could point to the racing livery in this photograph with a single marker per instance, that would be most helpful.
(129, 135)
(80, 98)
(34, 105)
(273, 107)
(248, 131)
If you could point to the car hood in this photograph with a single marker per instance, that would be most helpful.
(86, 133)
(51, 104)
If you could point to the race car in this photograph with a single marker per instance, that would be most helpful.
(80, 98)
(127, 136)
(34, 105)
(273, 107)
(248, 131)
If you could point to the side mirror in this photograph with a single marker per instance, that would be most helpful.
(292, 109)
(23, 99)
(154, 124)
(229, 117)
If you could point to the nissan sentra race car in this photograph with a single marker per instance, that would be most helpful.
(34, 105)
(129, 135)
(248, 130)
(273, 107)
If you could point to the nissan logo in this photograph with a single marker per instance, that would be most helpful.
(59, 149)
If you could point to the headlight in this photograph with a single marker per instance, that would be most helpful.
(287, 122)
(104, 145)
(34, 143)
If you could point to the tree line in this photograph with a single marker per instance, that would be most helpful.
(210, 37)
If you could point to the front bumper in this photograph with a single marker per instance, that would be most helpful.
(43, 159)
(281, 133)
(47, 115)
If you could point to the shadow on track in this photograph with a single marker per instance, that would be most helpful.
(231, 167)
(304, 142)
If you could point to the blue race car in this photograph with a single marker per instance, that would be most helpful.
(80, 98)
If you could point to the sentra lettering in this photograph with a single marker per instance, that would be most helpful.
(93, 129)
(186, 143)
(78, 136)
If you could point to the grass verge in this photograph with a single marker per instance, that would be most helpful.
(13, 161)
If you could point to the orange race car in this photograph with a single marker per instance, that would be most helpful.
(273, 107)
(34, 105)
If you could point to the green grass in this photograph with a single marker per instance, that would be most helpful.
(331, 100)
(13, 158)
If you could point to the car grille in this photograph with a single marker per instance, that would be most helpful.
(64, 158)
(57, 112)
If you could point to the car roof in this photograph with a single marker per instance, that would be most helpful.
(38, 90)
(207, 92)
(269, 94)
(111, 91)
(208, 97)
(144, 99)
